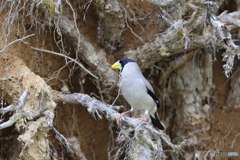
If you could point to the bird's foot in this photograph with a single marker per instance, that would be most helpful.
(122, 115)
(144, 118)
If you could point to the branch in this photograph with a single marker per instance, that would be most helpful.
(231, 48)
(62, 138)
(85, 50)
(175, 39)
(200, 30)
(231, 20)
(19, 111)
(18, 104)
(93, 105)
(14, 107)
(21, 39)
(143, 18)
(14, 118)
(62, 55)
(165, 2)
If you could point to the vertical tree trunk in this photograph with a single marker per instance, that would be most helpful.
(190, 92)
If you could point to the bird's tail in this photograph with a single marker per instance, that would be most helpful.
(156, 122)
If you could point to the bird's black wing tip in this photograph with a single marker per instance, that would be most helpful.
(156, 122)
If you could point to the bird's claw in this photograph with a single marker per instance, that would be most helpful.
(119, 117)
(143, 119)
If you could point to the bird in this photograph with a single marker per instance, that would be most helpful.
(137, 91)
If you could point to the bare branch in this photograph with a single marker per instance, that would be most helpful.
(18, 104)
(110, 114)
(42, 107)
(14, 118)
(21, 39)
(20, 113)
(231, 20)
(143, 18)
(87, 101)
(178, 36)
(164, 2)
(14, 107)
(62, 138)
(231, 49)
(85, 50)
(73, 60)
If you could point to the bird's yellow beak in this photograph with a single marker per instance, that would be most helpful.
(116, 65)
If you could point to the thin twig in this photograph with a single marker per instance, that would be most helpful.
(62, 138)
(21, 39)
(62, 55)
(133, 32)
(143, 18)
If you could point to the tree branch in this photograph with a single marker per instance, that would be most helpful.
(164, 2)
(231, 20)
(62, 55)
(85, 50)
(18, 104)
(21, 39)
(93, 105)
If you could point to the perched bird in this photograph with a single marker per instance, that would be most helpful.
(137, 91)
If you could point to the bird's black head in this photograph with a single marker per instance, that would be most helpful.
(124, 61)
(119, 65)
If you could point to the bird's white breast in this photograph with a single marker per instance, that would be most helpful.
(135, 93)
(134, 89)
